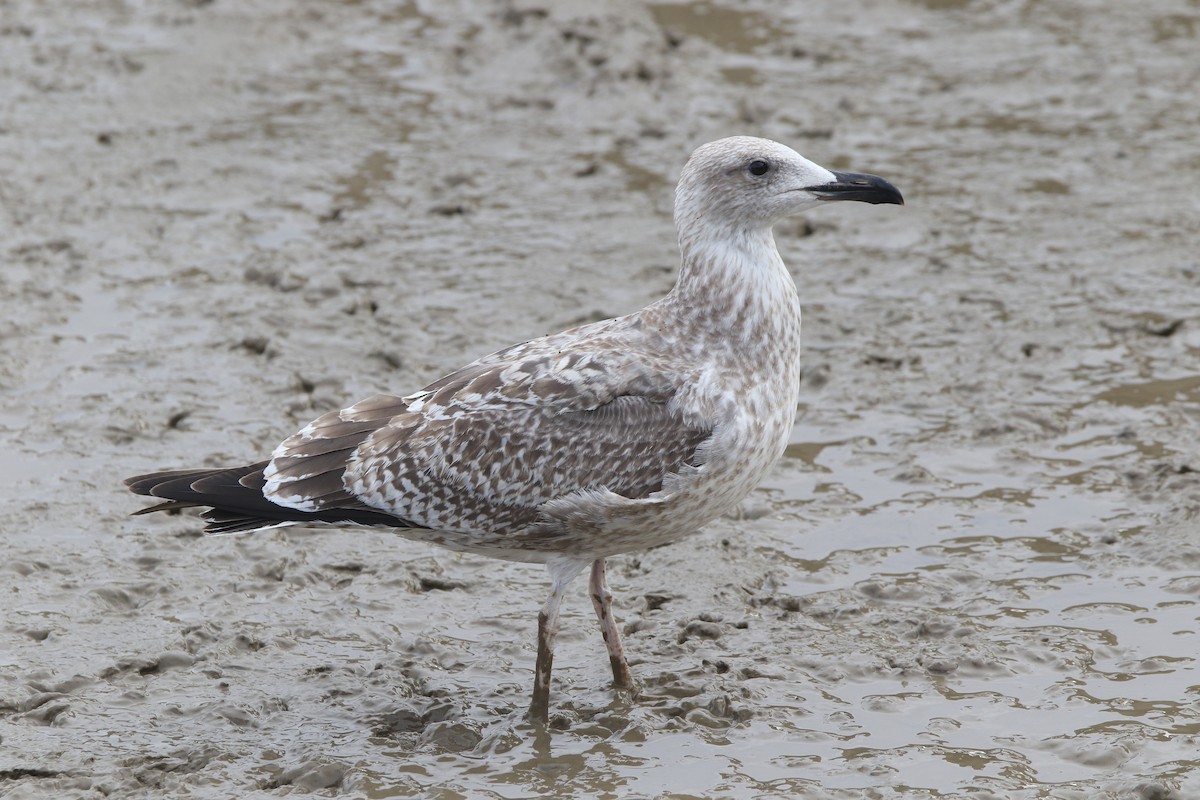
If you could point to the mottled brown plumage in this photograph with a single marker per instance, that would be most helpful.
(615, 436)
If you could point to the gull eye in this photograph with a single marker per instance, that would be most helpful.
(759, 167)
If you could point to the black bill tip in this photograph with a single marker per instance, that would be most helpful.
(858, 186)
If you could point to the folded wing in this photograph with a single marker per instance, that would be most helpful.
(483, 448)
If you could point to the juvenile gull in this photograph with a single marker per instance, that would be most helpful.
(565, 450)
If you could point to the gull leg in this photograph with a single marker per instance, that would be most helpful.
(602, 602)
(562, 572)
(539, 708)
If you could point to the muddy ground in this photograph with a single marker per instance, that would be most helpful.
(976, 574)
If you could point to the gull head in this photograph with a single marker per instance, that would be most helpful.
(741, 185)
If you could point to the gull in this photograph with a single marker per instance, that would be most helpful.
(614, 436)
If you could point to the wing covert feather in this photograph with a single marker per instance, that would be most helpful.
(481, 449)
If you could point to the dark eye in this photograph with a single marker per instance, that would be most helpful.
(759, 167)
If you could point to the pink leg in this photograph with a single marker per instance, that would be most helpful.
(539, 708)
(602, 602)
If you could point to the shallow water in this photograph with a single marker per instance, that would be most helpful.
(975, 574)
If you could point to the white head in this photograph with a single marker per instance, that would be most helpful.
(742, 185)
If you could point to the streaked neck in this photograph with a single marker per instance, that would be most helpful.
(735, 285)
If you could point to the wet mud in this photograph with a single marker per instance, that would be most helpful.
(975, 574)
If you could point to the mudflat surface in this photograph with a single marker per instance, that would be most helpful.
(975, 574)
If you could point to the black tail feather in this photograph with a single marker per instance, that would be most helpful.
(235, 501)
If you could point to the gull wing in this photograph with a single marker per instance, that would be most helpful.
(483, 448)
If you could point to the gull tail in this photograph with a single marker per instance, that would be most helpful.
(234, 502)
